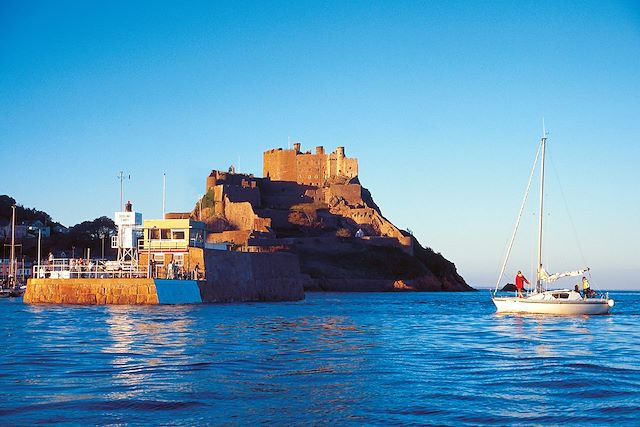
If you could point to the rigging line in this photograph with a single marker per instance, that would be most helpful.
(524, 200)
(566, 206)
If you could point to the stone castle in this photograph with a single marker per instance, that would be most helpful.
(316, 193)
(306, 168)
(312, 205)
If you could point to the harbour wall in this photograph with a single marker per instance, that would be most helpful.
(231, 277)
(91, 291)
(247, 276)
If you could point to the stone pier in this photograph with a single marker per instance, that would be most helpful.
(91, 291)
(231, 277)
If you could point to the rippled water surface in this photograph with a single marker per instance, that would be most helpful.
(374, 358)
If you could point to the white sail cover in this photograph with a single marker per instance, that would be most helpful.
(543, 275)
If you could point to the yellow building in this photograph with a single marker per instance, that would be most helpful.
(176, 241)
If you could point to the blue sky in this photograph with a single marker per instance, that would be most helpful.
(441, 102)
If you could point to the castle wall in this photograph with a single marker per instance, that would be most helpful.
(239, 214)
(283, 194)
(237, 179)
(348, 168)
(218, 200)
(243, 194)
(242, 216)
(280, 165)
(279, 217)
(307, 168)
(237, 237)
(310, 169)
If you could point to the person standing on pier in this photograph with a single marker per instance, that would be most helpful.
(170, 270)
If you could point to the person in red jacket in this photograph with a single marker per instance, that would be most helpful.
(520, 281)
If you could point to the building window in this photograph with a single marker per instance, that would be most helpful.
(165, 234)
(178, 234)
(155, 233)
(178, 259)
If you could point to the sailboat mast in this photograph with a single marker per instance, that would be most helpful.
(12, 265)
(543, 143)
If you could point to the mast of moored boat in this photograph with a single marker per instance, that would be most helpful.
(543, 142)
(12, 266)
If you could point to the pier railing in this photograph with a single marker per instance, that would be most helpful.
(68, 268)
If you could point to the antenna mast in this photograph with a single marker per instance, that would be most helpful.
(121, 177)
(164, 193)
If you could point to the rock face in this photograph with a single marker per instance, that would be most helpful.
(358, 265)
(313, 205)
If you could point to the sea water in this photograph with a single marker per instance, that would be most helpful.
(332, 359)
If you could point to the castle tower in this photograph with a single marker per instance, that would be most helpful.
(306, 168)
(339, 161)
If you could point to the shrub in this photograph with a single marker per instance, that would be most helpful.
(343, 232)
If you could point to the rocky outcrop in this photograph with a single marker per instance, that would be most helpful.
(509, 287)
(350, 265)
(314, 206)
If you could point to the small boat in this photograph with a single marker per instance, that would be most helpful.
(541, 300)
(11, 287)
(12, 292)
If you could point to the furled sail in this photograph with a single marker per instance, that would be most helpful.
(543, 275)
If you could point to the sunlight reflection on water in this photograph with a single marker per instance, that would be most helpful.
(357, 359)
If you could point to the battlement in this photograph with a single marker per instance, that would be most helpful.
(230, 178)
(306, 168)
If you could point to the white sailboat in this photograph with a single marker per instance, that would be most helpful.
(542, 301)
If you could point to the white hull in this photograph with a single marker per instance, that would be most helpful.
(558, 307)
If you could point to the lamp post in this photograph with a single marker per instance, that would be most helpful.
(149, 272)
(148, 253)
